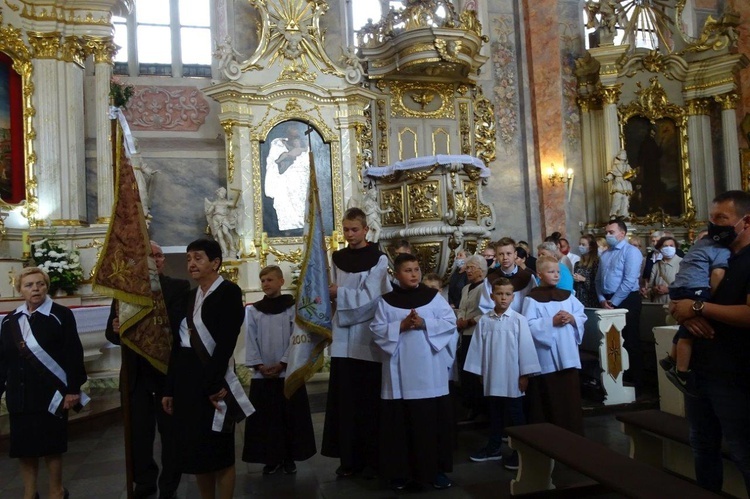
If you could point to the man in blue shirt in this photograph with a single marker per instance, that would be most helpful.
(617, 287)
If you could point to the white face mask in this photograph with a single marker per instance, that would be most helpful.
(583, 250)
(668, 251)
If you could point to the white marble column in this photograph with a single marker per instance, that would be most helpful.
(610, 97)
(103, 50)
(73, 149)
(700, 156)
(589, 170)
(731, 144)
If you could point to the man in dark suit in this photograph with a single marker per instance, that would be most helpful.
(145, 386)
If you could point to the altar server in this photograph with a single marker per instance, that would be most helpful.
(416, 330)
(556, 320)
(360, 277)
(502, 352)
(280, 432)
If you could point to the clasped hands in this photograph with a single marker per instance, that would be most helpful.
(272, 371)
(412, 321)
(563, 318)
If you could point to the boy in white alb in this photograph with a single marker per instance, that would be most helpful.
(415, 329)
(502, 352)
(360, 277)
(280, 431)
(556, 320)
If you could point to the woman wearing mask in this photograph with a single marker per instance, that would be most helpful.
(458, 280)
(584, 276)
(664, 271)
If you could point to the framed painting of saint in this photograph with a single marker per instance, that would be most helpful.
(285, 178)
(12, 178)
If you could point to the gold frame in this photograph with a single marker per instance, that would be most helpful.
(745, 169)
(260, 134)
(652, 103)
(12, 44)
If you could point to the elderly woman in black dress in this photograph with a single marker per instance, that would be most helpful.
(202, 391)
(41, 372)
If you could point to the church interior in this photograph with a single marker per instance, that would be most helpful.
(451, 123)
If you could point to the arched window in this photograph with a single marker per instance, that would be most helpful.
(165, 38)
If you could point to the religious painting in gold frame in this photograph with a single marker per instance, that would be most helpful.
(745, 169)
(653, 132)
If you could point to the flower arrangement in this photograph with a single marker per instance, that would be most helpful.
(120, 92)
(62, 265)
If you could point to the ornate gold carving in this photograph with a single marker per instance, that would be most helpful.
(652, 103)
(472, 201)
(610, 94)
(469, 21)
(708, 84)
(394, 199)
(423, 94)
(727, 101)
(715, 35)
(382, 125)
(59, 222)
(290, 35)
(420, 175)
(424, 201)
(464, 128)
(60, 15)
(584, 103)
(102, 48)
(428, 255)
(485, 142)
(745, 168)
(698, 107)
(73, 50)
(230, 272)
(103, 220)
(228, 126)
(12, 6)
(44, 45)
(448, 49)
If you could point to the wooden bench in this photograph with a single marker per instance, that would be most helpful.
(539, 445)
(661, 439)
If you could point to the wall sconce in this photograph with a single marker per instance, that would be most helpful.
(559, 174)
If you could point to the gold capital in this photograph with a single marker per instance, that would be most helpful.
(611, 94)
(698, 107)
(44, 45)
(73, 50)
(728, 101)
(103, 49)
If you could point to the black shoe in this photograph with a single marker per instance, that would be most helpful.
(683, 381)
(667, 363)
(270, 469)
(289, 467)
(343, 471)
(399, 484)
(442, 482)
(511, 463)
(143, 491)
(486, 454)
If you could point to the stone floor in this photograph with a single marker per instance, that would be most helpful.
(94, 466)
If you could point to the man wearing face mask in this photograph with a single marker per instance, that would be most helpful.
(617, 287)
(719, 361)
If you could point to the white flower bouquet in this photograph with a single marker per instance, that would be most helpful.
(62, 265)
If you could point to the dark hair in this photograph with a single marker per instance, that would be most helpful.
(403, 258)
(620, 224)
(741, 200)
(553, 238)
(432, 276)
(591, 257)
(356, 214)
(504, 241)
(566, 241)
(501, 281)
(211, 248)
(401, 243)
(663, 240)
(521, 253)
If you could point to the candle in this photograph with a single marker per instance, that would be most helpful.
(26, 244)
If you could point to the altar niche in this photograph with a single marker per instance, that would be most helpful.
(285, 178)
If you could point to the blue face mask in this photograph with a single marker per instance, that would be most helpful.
(583, 250)
(459, 263)
(611, 240)
(668, 251)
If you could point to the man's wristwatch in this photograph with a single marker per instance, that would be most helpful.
(698, 307)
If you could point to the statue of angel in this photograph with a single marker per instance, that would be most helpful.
(228, 62)
(373, 211)
(354, 69)
(221, 215)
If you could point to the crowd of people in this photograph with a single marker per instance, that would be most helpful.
(504, 335)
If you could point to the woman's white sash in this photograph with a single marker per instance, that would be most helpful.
(48, 362)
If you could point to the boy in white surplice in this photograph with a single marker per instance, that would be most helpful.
(416, 330)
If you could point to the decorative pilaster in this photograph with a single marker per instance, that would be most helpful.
(228, 126)
(103, 49)
(610, 98)
(700, 155)
(732, 174)
(585, 103)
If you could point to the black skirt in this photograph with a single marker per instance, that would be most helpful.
(416, 440)
(198, 448)
(37, 434)
(279, 429)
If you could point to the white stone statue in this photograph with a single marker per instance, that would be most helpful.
(353, 64)
(372, 209)
(620, 186)
(610, 14)
(221, 215)
(288, 178)
(228, 62)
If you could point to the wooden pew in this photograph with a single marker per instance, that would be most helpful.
(539, 445)
(662, 440)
